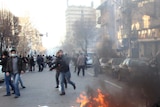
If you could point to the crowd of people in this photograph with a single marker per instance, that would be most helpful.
(14, 65)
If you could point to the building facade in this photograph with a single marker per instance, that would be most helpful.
(147, 27)
(134, 25)
(75, 13)
(108, 22)
(82, 14)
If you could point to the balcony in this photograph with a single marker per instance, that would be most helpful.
(149, 34)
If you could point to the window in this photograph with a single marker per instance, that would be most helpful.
(146, 21)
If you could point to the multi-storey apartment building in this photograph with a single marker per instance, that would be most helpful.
(79, 13)
(75, 13)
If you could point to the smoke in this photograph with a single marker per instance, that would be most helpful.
(117, 99)
(145, 85)
(105, 49)
(142, 90)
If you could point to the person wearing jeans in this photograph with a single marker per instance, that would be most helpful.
(67, 76)
(7, 76)
(16, 79)
(8, 83)
(62, 63)
(58, 74)
(14, 66)
(21, 82)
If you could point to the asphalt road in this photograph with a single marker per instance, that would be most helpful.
(40, 89)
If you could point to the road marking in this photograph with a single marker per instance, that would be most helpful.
(113, 84)
(42, 106)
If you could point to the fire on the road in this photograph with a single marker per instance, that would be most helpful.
(99, 100)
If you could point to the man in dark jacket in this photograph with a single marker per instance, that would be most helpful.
(63, 66)
(14, 67)
(40, 63)
(58, 73)
(7, 78)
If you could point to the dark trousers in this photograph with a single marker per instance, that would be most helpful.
(32, 68)
(81, 68)
(57, 79)
(40, 67)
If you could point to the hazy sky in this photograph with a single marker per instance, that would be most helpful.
(46, 15)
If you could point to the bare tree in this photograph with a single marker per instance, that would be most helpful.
(30, 39)
(84, 33)
(68, 45)
(10, 28)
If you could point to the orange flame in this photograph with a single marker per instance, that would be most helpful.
(97, 101)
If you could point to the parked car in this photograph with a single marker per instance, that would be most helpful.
(104, 63)
(89, 61)
(1, 73)
(90, 58)
(130, 66)
(114, 63)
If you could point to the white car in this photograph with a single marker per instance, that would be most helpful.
(104, 62)
(89, 61)
(1, 73)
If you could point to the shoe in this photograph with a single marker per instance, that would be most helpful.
(65, 86)
(7, 95)
(63, 93)
(57, 87)
(16, 97)
(74, 87)
(13, 93)
(23, 87)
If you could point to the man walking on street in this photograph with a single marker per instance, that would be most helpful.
(63, 65)
(40, 63)
(15, 68)
(75, 58)
(58, 73)
(81, 64)
(7, 77)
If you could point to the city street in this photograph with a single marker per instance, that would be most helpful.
(40, 89)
